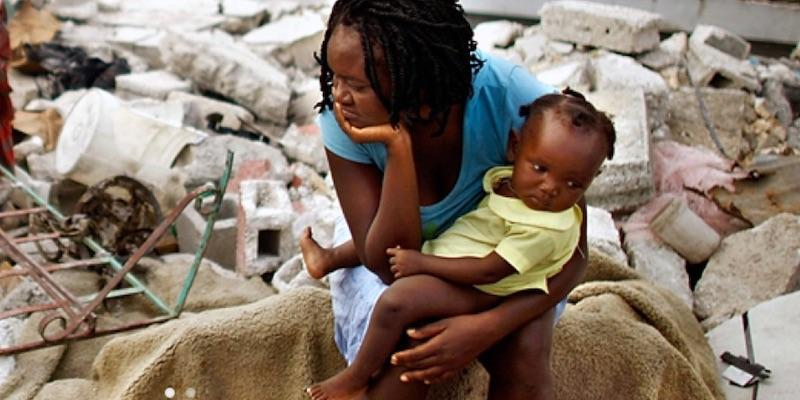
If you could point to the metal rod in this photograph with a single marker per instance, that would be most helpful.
(112, 294)
(19, 213)
(37, 238)
(56, 267)
(209, 229)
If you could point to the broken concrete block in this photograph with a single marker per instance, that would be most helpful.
(662, 266)
(264, 233)
(774, 339)
(291, 39)
(574, 74)
(197, 108)
(205, 162)
(43, 167)
(750, 267)
(153, 84)
(10, 328)
(304, 143)
(144, 42)
(221, 247)
(499, 33)
(215, 62)
(722, 40)
(709, 66)
(626, 181)
(34, 145)
(80, 10)
(669, 52)
(621, 29)
(603, 234)
(729, 110)
(24, 88)
(292, 274)
(684, 231)
(241, 16)
(616, 72)
(305, 95)
(531, 48)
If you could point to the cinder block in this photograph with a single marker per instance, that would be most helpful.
(722, 40)
(614, 72)
(625, 182)
(618, 28)
(221, 247)
(709, 66)
(265, 237)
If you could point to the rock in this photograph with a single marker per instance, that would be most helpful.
(241, 16)
(574, 74)
(80, 10)
(43, 166)
(669, 52)
(197, 108)
(24, 88)
(709, 66)
(144, 42)
(292, 40)
(154, 84)
(750, 267)
(499, 33)
(205, 162)
(617, 28)
(215, 62)
(603, 234)
(531, 48)
(304, 143)
(624, 182)
(722, 40)
(774, 337)
(616, 72)
(292, 274)
(729, 111)
(305, 95)
(661, 265)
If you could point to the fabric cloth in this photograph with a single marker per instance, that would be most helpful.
(536, 243)
(621, 338)
(6, 108)
(499, 89)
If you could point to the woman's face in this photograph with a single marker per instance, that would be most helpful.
(351, 87)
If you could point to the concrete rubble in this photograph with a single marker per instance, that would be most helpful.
(708, 131)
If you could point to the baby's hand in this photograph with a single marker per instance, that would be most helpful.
(404, 262)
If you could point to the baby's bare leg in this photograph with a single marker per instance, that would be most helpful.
(406, 302)
(321, 261)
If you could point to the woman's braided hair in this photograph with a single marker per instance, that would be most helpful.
(428, 50)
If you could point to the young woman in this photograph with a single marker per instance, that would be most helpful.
(414, 61)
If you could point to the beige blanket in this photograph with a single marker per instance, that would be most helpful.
(621, 339)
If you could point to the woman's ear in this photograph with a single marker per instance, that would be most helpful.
(513, 145)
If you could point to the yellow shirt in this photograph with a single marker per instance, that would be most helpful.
(536, 243)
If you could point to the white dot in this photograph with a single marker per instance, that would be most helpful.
(191, 392)
(170, 392)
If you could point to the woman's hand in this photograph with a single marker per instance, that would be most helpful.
(385, 133)
(449, 346)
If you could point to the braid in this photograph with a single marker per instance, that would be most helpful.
(573, 108)
(428, 50)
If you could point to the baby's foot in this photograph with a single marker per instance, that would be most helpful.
(338, 387)
(316, 257)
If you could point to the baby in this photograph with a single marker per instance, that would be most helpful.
(521, 233)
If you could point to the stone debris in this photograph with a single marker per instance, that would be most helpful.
(706, 131)
(750, 267)
(622, 29)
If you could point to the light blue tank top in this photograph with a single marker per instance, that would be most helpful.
(499, 89)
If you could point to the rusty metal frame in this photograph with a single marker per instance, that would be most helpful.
(76, 316)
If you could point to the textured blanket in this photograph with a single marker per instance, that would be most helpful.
(621, 338)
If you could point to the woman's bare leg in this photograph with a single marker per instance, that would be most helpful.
(519, 365)
(407, 301)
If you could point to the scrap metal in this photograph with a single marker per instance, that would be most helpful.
(70, 317)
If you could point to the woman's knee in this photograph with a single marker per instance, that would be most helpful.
(395, 305)
(524, 355)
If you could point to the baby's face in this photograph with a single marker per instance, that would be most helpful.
(555, 166)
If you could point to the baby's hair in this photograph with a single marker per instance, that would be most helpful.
(572, 107)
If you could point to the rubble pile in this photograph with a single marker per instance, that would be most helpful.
(702, 197)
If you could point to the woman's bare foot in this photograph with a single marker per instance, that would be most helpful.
(319, 261)
(338, 387)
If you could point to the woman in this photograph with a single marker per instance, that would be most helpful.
(413, 62)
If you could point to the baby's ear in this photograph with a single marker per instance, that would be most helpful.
(513, 145)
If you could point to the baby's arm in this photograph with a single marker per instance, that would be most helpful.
(463, 270)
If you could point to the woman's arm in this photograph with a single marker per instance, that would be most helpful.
(381, 211)
(452, 343)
